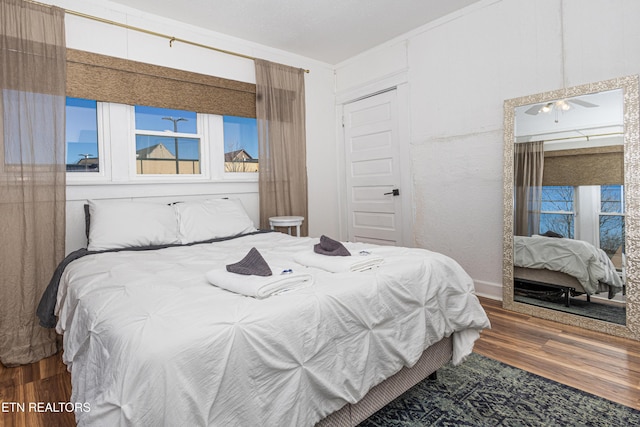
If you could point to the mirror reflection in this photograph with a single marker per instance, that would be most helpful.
(569, 213)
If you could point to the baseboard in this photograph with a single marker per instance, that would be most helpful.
(488, 289)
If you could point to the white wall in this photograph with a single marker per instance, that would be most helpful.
(89, 35)
(460, 70)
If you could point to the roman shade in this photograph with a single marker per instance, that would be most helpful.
(110, 79)
(584, 166)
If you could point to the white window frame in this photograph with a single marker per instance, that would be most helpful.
(587, 213)
(216, 143)
(117, 151)
(600, 213)
(202, 135)
(104, 155)
(234, 176)
(574, 212)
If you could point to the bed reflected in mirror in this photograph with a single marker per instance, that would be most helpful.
(569, 205)
(568, 154)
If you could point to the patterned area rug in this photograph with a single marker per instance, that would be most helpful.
(484, 392)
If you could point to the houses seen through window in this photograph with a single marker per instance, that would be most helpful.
(143, 141)
(240, 144)
(82, 135)
(167, 141)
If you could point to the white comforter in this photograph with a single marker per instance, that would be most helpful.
(580, 259)
(150, 342)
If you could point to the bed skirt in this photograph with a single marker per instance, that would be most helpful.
(379, 396)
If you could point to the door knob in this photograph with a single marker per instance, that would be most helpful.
(395, 192)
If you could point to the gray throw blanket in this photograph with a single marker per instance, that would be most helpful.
(47, 306)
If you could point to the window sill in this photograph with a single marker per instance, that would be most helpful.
(161, 181)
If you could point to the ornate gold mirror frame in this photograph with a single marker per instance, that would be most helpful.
(629, 86)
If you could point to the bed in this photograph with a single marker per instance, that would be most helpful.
(574, 266)
(149, 340)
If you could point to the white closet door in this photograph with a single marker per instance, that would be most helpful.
(373, 170)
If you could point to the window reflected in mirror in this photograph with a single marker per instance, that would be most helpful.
(567, 155)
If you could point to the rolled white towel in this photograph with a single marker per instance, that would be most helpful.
(339, 264)
(259, 286)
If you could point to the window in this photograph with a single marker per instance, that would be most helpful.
(601, 216)
(125, 142)
(611, 222)
(557, 213)
(167, 141)
(240, 144)
(82, 135)
(180, 113)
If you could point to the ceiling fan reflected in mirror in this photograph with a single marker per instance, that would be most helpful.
(559, 105)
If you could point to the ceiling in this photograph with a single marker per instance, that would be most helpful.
(328, 30)
(603, 118)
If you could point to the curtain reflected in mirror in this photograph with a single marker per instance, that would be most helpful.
(565, 205)
(528, 166)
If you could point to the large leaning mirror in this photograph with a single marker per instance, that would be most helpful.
(572, 206)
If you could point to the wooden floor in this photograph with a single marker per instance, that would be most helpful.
(44, 381)
(596, 363)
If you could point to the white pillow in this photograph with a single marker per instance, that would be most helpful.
(121, 224)
(211, 219)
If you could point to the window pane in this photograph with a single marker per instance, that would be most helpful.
(170, 154)
(558, 223)
(612, 225)
(612, 237)
(240, 144)
(611, 198)
(557, 213)
(164, 119)
(167, 155)
(82, 135)
(557, 199)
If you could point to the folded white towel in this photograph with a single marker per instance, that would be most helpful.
(259, 286)
(339, 264)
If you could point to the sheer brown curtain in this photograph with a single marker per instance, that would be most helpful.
(528, 168)
(32, 166)
(280, 110)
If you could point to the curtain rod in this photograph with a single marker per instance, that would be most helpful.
(572, 137)
(172, 39)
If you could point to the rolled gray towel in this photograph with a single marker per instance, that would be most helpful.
(328, 246)
(252, 264)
